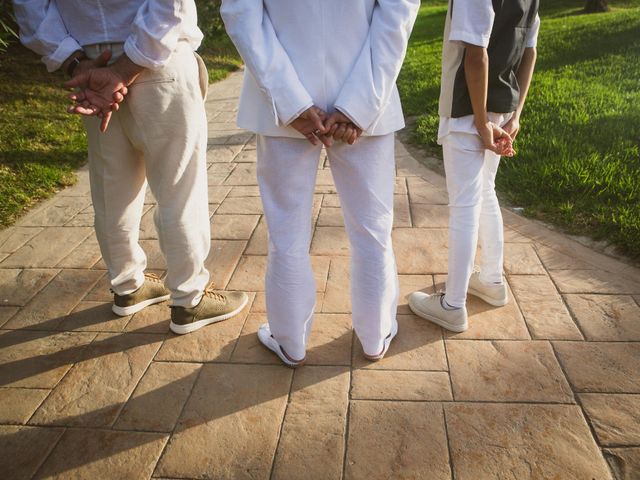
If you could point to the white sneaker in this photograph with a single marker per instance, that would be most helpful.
(430, 308)
(265, 337)
(385, 345)
(493, 293)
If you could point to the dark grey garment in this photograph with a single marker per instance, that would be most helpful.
(513, 19)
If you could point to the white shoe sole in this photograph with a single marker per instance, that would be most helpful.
(387, 343)
(266, 339)
(130, 310)
(496, 302)
(191, 327)
(439, 321)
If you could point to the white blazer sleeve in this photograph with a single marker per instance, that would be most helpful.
(43, 31)
(368, 89)
(249, 26)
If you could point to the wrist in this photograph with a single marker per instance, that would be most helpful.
(70, 64)
(127, 70)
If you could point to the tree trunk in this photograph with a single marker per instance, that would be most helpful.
(596, 6)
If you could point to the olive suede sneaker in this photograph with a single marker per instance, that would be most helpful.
(152, 291)
(430, 308)
(493, 293)
(214, 306)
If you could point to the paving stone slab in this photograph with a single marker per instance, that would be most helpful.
(420, 250)
(330, 341)
(243, 174)
(615, 418)
(223, 258)
(593, 281)
(382, 441)
(230, 425)
(250, 273)
(625, 462)
(312, 441)
(606, 317)
(94, 390)
(213, 343)
(84, 255)
(217, 194)
(101, 291)
(248, 348)
(18, 404)
(241, 206)
(522, 441)
(38, 359)
(233, 227)
(56, 212)
(330, 217)
(13, 238)
(155, 258)
(46, 249)
(512, 371)
(49, 307)
(153, 319)
(157, 401)
(417, 346)
(7, 312)
(410, 284)
(430, 216)
(93, 317)
(244, 191)
(421, 191)
(330, 241)
(521, 259)
(83, 453)
(555, 260)
(543, 308)
(222, 153)
(400, 385)
(24, 449)
(600, 366)
(337, 298)
(18, 286)
(487, 322)
(401, 211)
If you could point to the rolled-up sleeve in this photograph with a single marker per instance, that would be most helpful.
(369, 87)
(472, 22)
(532, 34)
(156, 30)
(249, 26)
(43, 31)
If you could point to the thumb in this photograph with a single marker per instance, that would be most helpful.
(317, 121)
(79, 80)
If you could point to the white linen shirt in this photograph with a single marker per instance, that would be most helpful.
(342, 54)
(150, 29)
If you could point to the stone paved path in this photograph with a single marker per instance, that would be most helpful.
(546, 387)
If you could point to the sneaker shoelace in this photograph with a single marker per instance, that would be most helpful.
(152, 277)
(211, 293)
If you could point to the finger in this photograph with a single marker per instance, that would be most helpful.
(330, 124)
(339, 135)
(105, 121)
(316, 121)
(118, 97)
(313, 140)
(326, 141)
(79, 80)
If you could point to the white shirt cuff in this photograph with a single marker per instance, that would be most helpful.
(64, 50)
(469, 37)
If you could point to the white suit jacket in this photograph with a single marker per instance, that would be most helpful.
(335, 54)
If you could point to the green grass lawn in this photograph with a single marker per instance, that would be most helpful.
(41, 145)
(578, 163)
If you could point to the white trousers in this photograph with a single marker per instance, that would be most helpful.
(364, 177)
(159, 135)
(474, 215)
